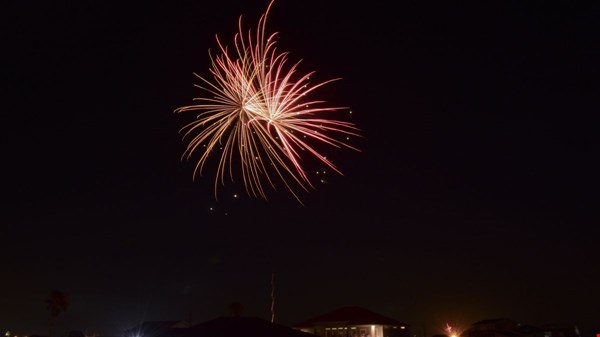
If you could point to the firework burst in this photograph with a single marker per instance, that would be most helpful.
(259, 121)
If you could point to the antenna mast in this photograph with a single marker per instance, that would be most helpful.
(273, 297)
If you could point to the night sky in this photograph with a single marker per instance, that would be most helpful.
(474, 195)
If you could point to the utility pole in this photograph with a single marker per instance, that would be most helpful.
(273, 297)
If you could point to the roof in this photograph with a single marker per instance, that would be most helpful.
(350, 316)
(242, 326)
(151, 328)
(492, 321)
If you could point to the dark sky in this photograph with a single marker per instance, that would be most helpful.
(474, 196)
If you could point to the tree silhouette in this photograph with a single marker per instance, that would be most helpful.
(57, 302)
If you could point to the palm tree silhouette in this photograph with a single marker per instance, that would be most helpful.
(57, 302)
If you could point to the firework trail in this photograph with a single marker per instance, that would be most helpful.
(258, 121)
